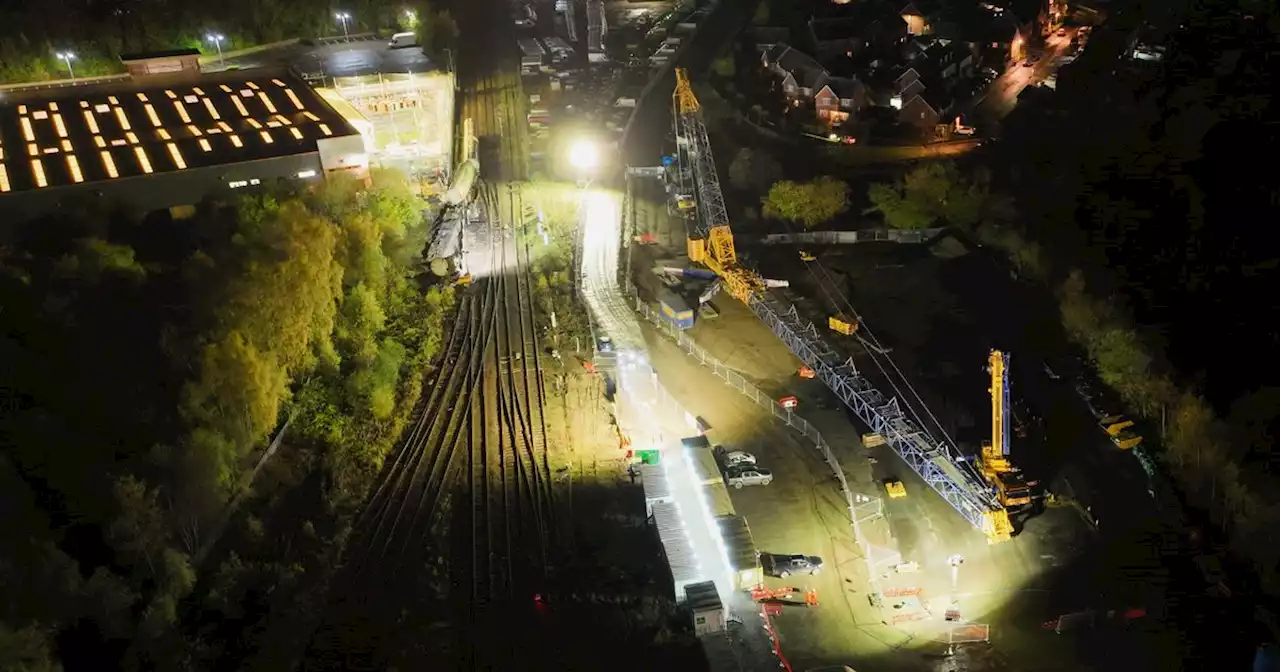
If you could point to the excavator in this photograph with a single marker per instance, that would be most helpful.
(1010, 485)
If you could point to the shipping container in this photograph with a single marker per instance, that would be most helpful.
(675, 310)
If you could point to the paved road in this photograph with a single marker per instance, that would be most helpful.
(365, 57)
(1002, 95)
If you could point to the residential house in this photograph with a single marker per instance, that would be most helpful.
(802, 79)
(917, 23)
(924, 111)
(914, 50)
(951, 61)
(835, 37)
(801, 76)
(988, 30)
(839, 99)
(900, 86)
(845, 29)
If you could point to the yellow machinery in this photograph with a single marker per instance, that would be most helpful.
(838, 324)
(895, 489)
(715, 250)
(805, 255)
(1010, 485)
(1117, 428)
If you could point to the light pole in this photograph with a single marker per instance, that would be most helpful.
(67, 57)
(452, 71)
(342, 18)
(585, 157)
(217, 39)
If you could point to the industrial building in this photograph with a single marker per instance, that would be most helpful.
(167, 136)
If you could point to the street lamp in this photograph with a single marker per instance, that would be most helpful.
(584, 155)
(217, 39)
(342, 17)
(67, 57)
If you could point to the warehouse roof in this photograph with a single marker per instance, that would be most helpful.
(656, 486)
(94, 133)
(675, 545)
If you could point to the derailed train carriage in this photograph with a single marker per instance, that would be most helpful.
(445, 252)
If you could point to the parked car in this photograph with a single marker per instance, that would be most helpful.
(744, 476)
(604, 344)
(783, 566)
(733, 459)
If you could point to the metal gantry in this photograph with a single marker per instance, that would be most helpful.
(939, 464)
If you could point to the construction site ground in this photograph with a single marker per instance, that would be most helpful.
(1055, 566)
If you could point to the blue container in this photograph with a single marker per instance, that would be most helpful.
(675, 310)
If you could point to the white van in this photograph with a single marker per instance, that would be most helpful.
(402, 40)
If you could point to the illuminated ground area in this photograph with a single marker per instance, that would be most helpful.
(411, 116)
(1053, 568)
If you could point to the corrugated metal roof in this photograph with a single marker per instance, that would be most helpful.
(718, 499)
(699, 441)
(97, 133)
(739, 542)
(656, 485)
(702, 595)
(675, 545)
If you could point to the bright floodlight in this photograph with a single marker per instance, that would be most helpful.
(584, 155)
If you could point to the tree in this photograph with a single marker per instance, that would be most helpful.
(436, 31)
(932, 195)
(809, 203)
(761, 17)
(723, 66)
(752, 170)
(138, 533)
(29, 649)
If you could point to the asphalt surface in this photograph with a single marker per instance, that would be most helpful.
(348, 59)
(1002, 94)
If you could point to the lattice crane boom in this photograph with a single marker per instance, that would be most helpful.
(711, 243)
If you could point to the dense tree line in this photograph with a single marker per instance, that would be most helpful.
(1158, 208)
(148, 365)
(98, 32)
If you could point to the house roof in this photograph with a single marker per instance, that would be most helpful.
(803, 67)
(920, 99)
(845, 87)
(904, 75)
(916, 48)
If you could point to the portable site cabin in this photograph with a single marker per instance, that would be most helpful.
(708, 612)
(675, 310)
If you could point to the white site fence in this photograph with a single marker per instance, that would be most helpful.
(864, 509)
